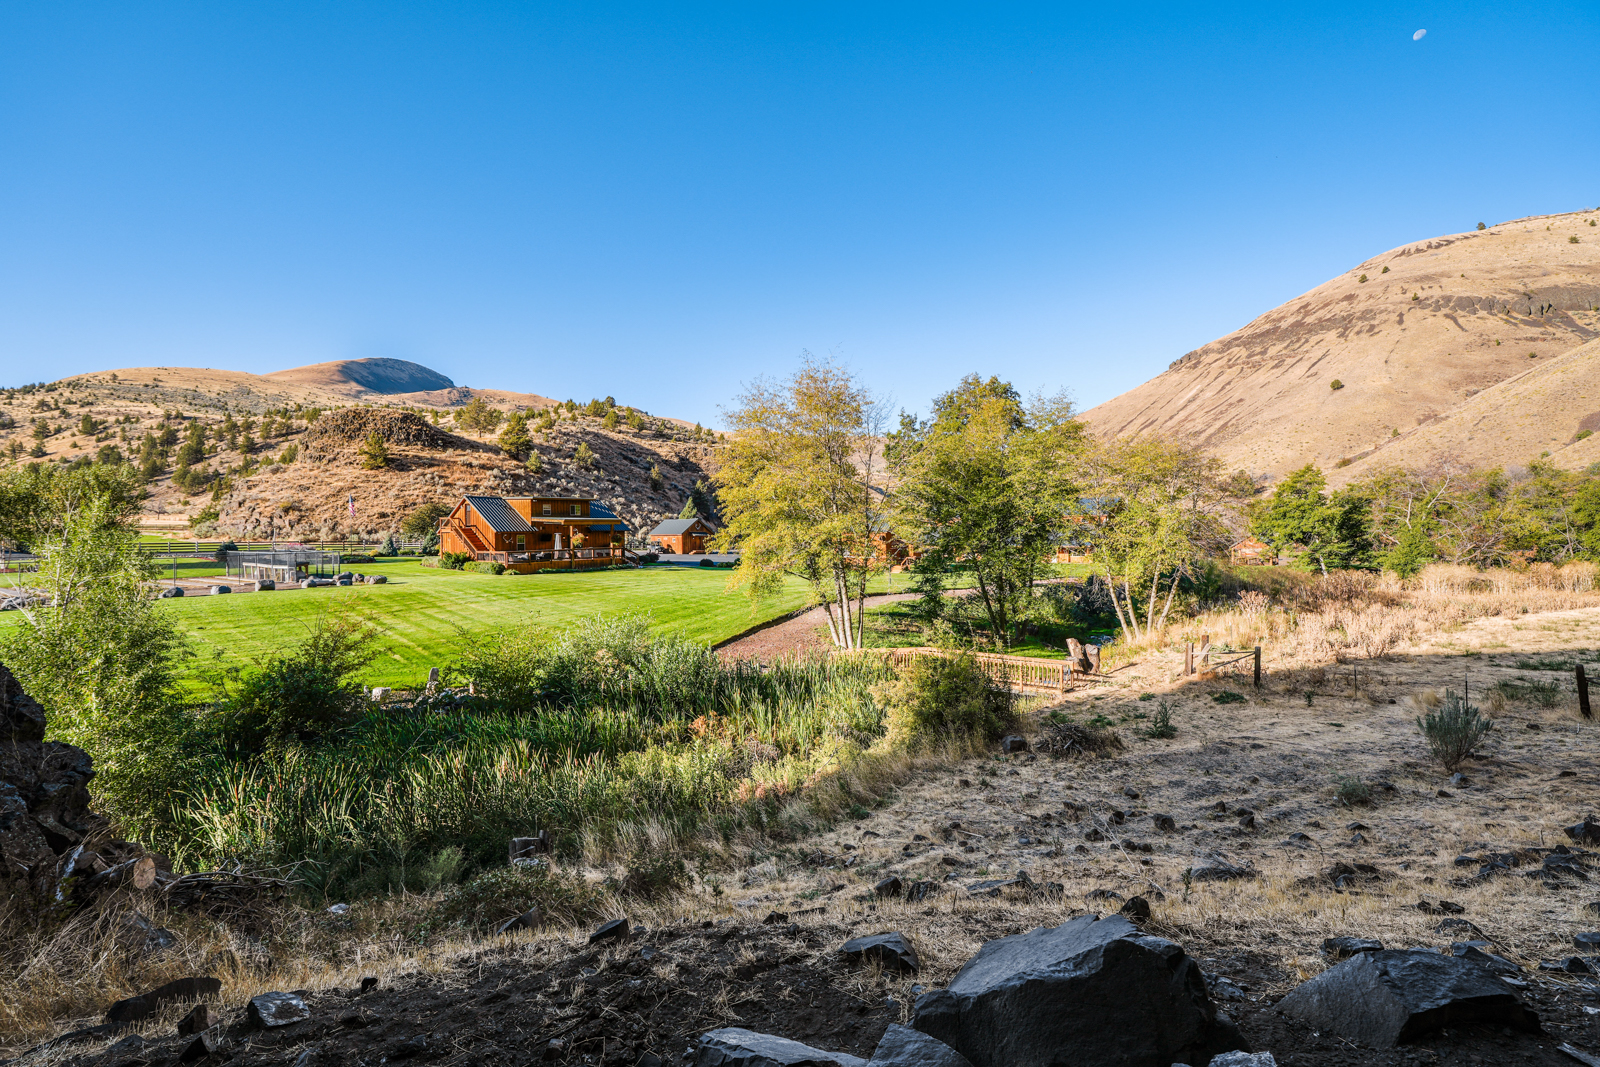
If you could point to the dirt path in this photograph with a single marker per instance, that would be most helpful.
(797, 634)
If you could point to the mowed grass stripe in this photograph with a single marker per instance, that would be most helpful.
(422, 611)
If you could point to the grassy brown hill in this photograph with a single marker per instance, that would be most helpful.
(1434, 325)
(319, 416)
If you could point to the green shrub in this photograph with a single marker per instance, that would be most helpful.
(1228, 696)
(1384, 271)
(1582, 435)
(935, 698)
(1161, 727)
(503, 893)
(1453, 731)
(1352, 791)
(307, 693)
(484, 566)
(654, 873)
(454, 560)
(1481, 226)
(1362, 278)
(221, 554)
(1336, 385)
(1546, 694)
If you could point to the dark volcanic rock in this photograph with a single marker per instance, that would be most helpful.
(1585, 831)
(615, 930)
(1340, 947)
(44, 794)
(891, 949)
(1013, 743)
(151, 1001)
(1089, 991)
(733, 1047)
(1384, 998)
(904, 1047)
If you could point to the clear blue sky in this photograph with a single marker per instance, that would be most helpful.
(658, 204)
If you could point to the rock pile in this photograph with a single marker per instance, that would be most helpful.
(1093, 990)
(349, 427)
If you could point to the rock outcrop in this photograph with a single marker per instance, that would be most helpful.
(44, 794)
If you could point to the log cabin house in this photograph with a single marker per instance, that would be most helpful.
(534, 533)
(682, 537)
(1251, 553)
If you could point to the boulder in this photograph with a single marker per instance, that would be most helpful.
(889, 887)
(1092, 990)
(1589, 940)
(1383, 998)
(528, 920)
(1585, 831)
(1013, 743)
(735, 1047)
(1240, 1059)
(219, 590)
(615, 930)
(892, 950)
(149, 1002)
(171, 591)
(902, 1046)
(198, 1049)
(1217, 869)
(1487, 960)
(201, 1019)
(271, 1010)
(1567, 965)
(266, 585)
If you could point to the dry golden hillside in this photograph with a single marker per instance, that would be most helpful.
(1434, 325)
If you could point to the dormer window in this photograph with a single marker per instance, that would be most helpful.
(577, 509)
(547, 509)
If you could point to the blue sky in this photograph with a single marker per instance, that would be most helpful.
(659, 202)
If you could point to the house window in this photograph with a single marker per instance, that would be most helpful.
(547, 509)
(576, 510)
(522, 542)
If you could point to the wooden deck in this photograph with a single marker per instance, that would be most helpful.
(1013, 672)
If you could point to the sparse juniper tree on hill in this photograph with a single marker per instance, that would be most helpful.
(1153, 513)
(374, 453)
(986, 481)
(795, 482)
(514, 439)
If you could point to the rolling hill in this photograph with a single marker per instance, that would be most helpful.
(1472, 347)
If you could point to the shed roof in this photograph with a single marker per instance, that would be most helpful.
(498, 514)
(673, 527)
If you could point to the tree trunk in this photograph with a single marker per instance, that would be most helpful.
(136, 874)
(1171, 589)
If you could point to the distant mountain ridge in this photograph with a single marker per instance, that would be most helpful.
(1380, 362)
(385, 377)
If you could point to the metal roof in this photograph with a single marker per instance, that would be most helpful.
(673, 527)
(498, 514)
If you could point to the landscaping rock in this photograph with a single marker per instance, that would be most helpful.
(198, 1049)
(1165, 823)
(891, 949)
(889, 887)
(1489, 961)
(1384, 998)
(1014, 743)
(220, 590)
(904, 1047)
(615, 930)
(1344, 947)
(1089, 991)
(1137, 909)
(735, 1047)
(1589, 940)
(1460, 926)
(170, 591)
(271, 1010)
(1568, 965)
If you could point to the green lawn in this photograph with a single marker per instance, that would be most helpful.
(421, 607)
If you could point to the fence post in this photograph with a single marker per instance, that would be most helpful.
(1583, 693)
(1258, 667)
(1188, 658)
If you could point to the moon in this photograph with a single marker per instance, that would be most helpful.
(1419, 35)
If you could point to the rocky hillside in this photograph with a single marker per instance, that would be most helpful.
(303, 430)
(1400, 342)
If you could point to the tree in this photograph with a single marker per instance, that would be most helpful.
(635, 420)
(101, 658)
(987, 481)
(36, 501)
(584, 456)
(374, 453)
(477, 417)
(796, 488)
(514, 439)
(1332, 531)
(656, 481)
(423, 520)
(610, 421)
(1155, 512)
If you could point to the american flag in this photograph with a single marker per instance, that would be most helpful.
(352, 505)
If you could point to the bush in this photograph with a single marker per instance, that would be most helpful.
(653, 873)
(1352, 791)
(505, 892)
(1336, 385)
(944, 697)
(1453, 731)
(1228, 696)
(1362, 278)
(221, 554)
(1480, 226)
(484, 566)
(649, 557)
(1161, 728)
(304, 694)
(389, 547)
(454, 561)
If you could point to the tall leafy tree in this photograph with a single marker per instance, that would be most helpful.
(987, 481)
(796, 486)
(514, 439)
(1155, 511)
(1330, 531)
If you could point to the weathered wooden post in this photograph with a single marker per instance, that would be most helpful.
(1188, 658)
(1583, 692)
(1094, 657)
(1258, 667)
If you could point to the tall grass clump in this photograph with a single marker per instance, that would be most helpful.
(1454, 730)
(944, 698)
(591, 735)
